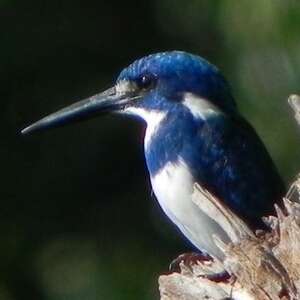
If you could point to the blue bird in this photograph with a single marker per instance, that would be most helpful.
(194, 134)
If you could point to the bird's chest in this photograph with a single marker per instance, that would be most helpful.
(178, 154)
(173, 188)
(171, 178)
(166, 142)
(177, 159)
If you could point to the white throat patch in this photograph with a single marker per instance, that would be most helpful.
(153, 119)
(200, 107)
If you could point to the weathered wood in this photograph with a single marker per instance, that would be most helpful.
(261, 265)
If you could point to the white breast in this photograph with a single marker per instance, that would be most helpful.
(173, 187)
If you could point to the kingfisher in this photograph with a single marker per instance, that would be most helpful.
(194, 134)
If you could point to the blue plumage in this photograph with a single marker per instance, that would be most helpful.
(223, 152)
(195, 134)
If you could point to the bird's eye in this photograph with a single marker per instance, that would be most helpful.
(145, 82)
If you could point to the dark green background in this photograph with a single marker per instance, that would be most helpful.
(77, 220)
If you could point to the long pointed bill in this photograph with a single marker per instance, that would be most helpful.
(101, 103)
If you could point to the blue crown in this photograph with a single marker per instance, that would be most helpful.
(183, 72)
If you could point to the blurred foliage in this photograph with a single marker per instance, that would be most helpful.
(77, 219)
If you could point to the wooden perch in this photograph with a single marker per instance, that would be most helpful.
(262, 266)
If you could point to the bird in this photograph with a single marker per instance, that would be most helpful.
(194, 133)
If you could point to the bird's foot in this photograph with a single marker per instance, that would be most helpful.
(188, 259)
(193, 258)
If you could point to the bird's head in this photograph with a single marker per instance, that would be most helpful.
(155, 83)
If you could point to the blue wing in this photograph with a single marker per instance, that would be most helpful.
(233, 164)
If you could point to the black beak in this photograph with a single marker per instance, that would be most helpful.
(108, 101)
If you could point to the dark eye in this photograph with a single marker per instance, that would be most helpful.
(146, 81)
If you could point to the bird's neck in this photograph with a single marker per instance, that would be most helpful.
(166, 136)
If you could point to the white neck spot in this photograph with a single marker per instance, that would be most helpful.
(200, 107)
(153, 118)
